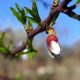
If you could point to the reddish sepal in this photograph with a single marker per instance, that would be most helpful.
(51, 38)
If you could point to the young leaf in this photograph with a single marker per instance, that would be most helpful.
(29, 23)
(1, 40)
(31, 54)
(34, 6)
(54, 19)
(1, 43)
(32, 19)
(35, 9)
(23, 16)
(20, 16)
(17, 6)
(2, 49)
(33, 14)
(16, 14)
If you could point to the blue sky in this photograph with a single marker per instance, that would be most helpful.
(68, 29)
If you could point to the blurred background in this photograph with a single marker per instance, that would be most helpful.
(42, 67)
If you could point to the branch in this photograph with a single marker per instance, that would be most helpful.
(72, 7)
(47, 22)
(17, 50)
(72, 15)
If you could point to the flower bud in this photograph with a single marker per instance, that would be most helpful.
(52, 44)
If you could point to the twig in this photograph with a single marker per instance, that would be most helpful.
(47, 21)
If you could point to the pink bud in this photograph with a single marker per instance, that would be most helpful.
(51, 38)
(53, 45)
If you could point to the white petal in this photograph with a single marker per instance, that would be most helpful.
(55, 47)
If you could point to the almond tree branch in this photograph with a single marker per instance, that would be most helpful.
(47, 21)
(72, 7)
(68, 11)
(72, 14)
(17, 50)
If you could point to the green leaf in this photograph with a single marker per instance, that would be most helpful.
(32, 19)
(23, 16)
(16, 14)
(29, 23)
(31, 55)
(1, 40)
(1, 43)
(34, 6)
(4, 49)
(33, 14)
(35, 9)
(20, 16)
(18, 8)
(54, 19)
